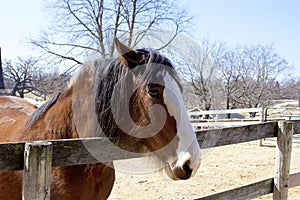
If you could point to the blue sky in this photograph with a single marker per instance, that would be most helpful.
(236, 22)
(19, 19)
(246, 22)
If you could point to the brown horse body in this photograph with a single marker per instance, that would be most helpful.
(93, 181)
(91, 107)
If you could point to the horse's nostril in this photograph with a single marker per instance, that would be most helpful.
(183, 172)
(187, 167)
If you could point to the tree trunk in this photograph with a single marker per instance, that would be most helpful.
(1, 74)
(228, 107)
(14, 90)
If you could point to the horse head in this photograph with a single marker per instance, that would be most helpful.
(150, 110)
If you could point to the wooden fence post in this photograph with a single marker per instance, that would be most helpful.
(262, 119)
(37, 170)
(283, 159)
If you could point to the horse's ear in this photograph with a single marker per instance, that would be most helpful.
(128, 56)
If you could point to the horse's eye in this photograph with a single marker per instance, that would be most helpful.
(154, 94)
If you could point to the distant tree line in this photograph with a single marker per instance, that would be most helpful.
(242, 77)
(214, 75)
(26, 76)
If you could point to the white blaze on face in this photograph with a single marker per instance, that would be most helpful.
(188, 147)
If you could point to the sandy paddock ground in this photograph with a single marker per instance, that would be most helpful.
(222, 168)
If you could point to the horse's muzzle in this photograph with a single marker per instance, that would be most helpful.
(181, 169)
(184, 172)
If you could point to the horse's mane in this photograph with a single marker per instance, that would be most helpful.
(39, 112)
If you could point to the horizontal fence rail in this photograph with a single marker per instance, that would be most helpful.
(66, 152)
(252, 190)
(216, 112)
(218, 118)
(232, 135)
(78, 151)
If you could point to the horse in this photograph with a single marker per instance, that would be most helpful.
(134, 98)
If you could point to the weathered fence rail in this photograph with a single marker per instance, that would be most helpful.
(252, 190)
(78, 151)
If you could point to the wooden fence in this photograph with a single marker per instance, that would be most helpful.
(282, 181)
(218, 118)
(262, 115)
(40, 156)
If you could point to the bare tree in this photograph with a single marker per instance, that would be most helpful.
(22, 77)
(244, 76)
(201, 71)
(87, 27)
(290, 89)
(50, 83)
(229, 68)
(260, 69)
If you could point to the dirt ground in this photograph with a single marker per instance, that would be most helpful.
(222, 168)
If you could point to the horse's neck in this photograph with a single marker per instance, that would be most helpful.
(55, 123)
